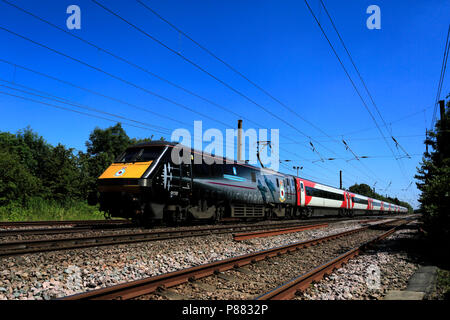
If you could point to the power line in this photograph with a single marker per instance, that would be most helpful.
(199, 68)
(353, 84)
(71, 110)
(361, 78)
(114, 76)
(203, 70)
(235, 71)
(127, 61)
(229, 66)
(109, 74)
(441, 77)
(131, 63)
(366, 139)
(91, 91)
(77, 105)
(353, 63)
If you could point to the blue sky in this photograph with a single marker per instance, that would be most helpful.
(276, 44)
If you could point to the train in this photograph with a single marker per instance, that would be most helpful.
(165, 181)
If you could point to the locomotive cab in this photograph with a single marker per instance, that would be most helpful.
(126, 185)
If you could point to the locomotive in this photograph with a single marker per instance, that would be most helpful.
(149, 183)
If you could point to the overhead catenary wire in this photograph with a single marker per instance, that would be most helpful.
(240, 74)
(353, 84)
(131, 63)
(85, 113)
(361, 78)
(33, 41)
(75, 111)
(209, 74)
(163, 116)
(441, 77)
(114, 76)
(90, 91)
(81, 106)
(127, 61)
(229, 66)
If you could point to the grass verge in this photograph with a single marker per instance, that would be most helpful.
(37, 209)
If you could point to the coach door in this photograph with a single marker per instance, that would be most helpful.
(300, 192)
(349, 201)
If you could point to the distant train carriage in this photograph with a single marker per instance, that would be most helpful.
(163, 181)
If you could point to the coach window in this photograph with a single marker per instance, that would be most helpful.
(278, 183)
(301, 186)
(253, 174)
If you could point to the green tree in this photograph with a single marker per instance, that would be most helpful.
(17, 184)
(434, 181)
(362, 189)
(366, 190)
(62, 175)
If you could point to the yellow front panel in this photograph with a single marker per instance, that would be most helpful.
(126, 170)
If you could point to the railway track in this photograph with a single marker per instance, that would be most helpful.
(274, 232)
(19, 224)
(43, 245)
(153, 285)
(289, 289)
(77, 226)
(64, 230)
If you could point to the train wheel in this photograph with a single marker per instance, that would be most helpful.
(218, 215)
(307, 213)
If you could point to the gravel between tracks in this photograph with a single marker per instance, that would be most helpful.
(368, 276)
(60, 273)
(266, 275)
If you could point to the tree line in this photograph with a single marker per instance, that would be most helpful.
(366, 190)
(31, 167)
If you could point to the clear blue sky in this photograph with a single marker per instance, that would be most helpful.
(277, 44)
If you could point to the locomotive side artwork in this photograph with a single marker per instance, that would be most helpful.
(145, 184)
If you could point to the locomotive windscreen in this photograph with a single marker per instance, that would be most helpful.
(140, 154)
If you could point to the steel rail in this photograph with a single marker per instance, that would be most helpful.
(44, 245)
(76, 229)
(274, 232)
(289, 289)
(61, 223)
(137, 288)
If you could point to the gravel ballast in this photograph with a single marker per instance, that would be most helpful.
(61, 273)
(368, 276)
